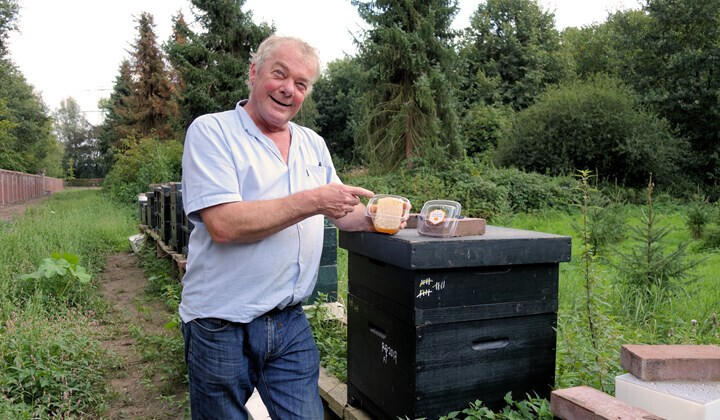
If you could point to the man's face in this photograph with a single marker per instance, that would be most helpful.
(280, 85)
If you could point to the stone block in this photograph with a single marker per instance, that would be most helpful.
(672, 362)
(586, 403)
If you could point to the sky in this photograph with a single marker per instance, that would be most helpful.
(73, 48)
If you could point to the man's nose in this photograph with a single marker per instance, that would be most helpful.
(288, 87)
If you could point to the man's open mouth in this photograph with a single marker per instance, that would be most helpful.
(278, 102)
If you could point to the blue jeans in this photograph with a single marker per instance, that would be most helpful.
(274, 353)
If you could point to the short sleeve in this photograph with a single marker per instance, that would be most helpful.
(209, 171)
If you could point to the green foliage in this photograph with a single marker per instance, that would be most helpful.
(677, 75)
(117, 116)
(531, 409)
(213, 64)
(409, 105)
(484, 127)
(82, 156)
(8, 14)
(336, 96)
(27, 143)
(511, 53)
(697, 216)
(483, 191)
(60, 277)
(648, 269)
(331, 338)
(145, 162)
(592, 124)
(50, 367)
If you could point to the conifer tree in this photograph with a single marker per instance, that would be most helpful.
(150, 107)
(214, 64)
(117, 124)
(409, 108)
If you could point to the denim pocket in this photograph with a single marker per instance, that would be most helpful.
(212, 325)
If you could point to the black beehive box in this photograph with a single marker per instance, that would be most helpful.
(164, 225)
(437, 323)
(327, 273)
(151, 210)
(176, 217)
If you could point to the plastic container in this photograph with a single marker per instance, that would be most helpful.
(387, 212)
(439, 218)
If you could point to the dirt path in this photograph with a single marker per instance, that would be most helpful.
(136, 387)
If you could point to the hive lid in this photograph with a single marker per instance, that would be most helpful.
(498, 246)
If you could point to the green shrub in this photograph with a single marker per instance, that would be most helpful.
(61, 279)
(597, 124)
(483, 191)
(146, 162)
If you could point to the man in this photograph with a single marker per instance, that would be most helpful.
(257, 186)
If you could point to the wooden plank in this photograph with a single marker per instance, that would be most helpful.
(334, 393)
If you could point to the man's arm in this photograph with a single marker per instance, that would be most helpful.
(250, 221)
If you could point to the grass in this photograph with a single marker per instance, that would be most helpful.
(51, 361)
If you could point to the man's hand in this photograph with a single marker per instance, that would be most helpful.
(337, 200)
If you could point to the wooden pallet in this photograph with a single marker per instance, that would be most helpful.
(163, 250)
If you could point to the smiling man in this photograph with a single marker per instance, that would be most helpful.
(257, 186)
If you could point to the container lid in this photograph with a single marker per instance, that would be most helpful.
(439, 218)
(387, 212)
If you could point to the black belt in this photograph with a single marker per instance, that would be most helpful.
(276, 310)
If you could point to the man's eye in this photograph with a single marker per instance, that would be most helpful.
(278, 73)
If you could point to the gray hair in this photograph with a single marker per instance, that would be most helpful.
(268, 47)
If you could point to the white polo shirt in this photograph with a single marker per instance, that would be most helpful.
(227, 159)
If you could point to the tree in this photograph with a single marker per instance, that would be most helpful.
(214, 64)
(150, 108)
(116, 124)
(82, 156)
(8, 14)
(28, 144)
(511, 53)
(336, 96)
(409, 107)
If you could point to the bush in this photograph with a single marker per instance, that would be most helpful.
(146, 162)
(61, 279)
(598, 125)
(482, 190)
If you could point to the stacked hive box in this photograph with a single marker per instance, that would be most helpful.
(176, 217)
(327, 273)
(436, 323)
(164, 222)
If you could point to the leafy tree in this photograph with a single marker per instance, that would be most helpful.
(28, 144)
(214, 64)
(681, 79)
(8, 14)
(511, 53)
(597, 124)
(409, 107)
(336, 96)
(78, 136)
(150, 108)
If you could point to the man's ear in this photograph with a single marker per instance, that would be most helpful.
(253, 73)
